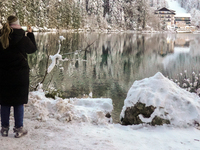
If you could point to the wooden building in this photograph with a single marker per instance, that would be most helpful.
(182, 20)
(166, 16)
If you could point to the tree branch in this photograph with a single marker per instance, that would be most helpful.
(46, 71)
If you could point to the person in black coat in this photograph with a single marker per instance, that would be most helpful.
(14, 73)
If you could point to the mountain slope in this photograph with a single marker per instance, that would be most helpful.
(174, 5)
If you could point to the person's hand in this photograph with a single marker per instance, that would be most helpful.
(29, 29)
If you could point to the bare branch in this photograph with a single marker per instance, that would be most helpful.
(85, 49)
(46, 71)
(89, 45)
(47, 63)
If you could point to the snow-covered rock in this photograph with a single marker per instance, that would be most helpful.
(164, 101)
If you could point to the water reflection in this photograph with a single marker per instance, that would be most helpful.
(184, 57)
(113, 62)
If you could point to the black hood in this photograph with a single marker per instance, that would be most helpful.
(15, 36)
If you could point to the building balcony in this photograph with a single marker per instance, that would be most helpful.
(165, 17)
(182, 20)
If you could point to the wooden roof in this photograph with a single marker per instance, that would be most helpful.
(165, 9)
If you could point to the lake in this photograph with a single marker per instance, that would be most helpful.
(108, 64)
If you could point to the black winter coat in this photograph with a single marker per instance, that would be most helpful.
(14, 69)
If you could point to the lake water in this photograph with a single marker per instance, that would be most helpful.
(112, 62)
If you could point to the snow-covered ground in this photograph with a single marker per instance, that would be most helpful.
(74, 124)
(55, 135)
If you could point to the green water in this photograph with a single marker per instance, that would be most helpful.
(112, 62)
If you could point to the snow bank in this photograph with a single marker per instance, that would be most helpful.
(172, 103)
(92, 110)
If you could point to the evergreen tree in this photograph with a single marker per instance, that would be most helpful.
(127, 14)
(5, 11)
(116, 13)
(130, 14)
(53, 13)
(76, 17)
(66, 11)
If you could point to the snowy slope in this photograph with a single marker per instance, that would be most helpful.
(174, 5)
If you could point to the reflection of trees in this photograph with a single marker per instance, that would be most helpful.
(182, 62)
(104, 56)
(116, 57)
(185, 61)
(48, 41)
(109, 67)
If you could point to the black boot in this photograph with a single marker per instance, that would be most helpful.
(4, 131)
(19, 132)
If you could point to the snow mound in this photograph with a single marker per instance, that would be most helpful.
(82, 110)
(172, 103)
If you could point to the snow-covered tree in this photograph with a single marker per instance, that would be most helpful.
(192, 6)
(66, 10)
(156, 4)
(130, 14)
(142, 8)
(76, 17)
(5, 10)
(116, 13)
(195, 19)
(124, 14)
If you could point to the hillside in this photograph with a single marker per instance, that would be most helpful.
(174, 5)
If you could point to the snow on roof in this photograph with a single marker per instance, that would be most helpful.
(182, 15)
